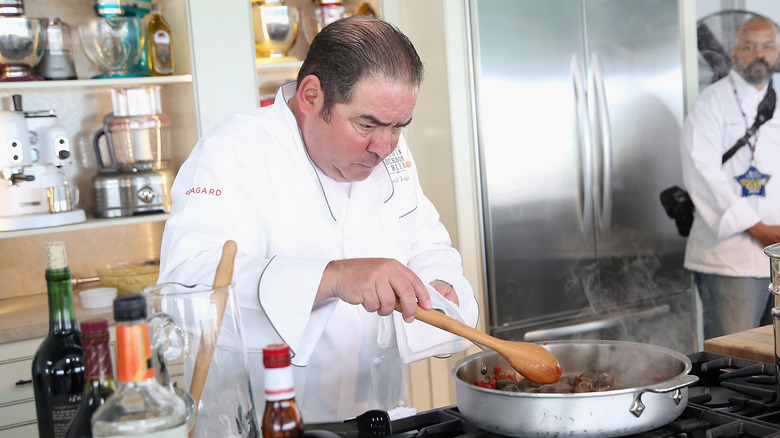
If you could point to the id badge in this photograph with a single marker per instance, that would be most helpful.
(753, 182)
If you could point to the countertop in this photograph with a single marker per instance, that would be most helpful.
(28, 317)
(756, 344)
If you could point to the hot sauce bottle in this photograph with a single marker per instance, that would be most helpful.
(281, 418)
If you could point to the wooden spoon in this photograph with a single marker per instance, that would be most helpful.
(533, 361)
(208, 339)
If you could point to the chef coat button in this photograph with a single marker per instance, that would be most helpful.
(377, 360)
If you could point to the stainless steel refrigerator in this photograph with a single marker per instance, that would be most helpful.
(579, 105)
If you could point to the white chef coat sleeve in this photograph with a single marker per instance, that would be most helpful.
(716, 202)
(284, 292)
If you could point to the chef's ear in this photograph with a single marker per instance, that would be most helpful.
(310, 97)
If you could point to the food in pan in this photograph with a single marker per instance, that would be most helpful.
(511, 381)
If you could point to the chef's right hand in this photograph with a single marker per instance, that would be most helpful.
(374, 284)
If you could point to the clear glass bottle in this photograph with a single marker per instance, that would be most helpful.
(140, 406)
(160, 47)
(99, 374)
(58, 366)
(282, 418)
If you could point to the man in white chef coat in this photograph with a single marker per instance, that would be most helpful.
(737, 203)
(321, 194)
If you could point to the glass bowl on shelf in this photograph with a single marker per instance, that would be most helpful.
(114, 45)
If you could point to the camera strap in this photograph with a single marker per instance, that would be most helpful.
(766, 109)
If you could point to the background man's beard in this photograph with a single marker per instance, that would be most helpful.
(756, 76)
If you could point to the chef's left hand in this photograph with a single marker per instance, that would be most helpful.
(446, 290)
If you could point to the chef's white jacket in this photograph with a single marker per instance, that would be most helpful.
(717, 243)
(251, 180)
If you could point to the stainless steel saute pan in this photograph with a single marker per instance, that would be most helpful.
(655, 378)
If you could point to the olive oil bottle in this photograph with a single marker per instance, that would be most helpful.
(160, 46)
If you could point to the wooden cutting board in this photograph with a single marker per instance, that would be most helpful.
(756, 344)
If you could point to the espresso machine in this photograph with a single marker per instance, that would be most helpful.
(34, 190)
(134, 176)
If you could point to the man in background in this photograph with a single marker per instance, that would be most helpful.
(737, 203)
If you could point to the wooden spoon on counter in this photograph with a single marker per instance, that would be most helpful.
(533, 361)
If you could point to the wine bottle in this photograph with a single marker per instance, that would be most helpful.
(58, 367)
(99, 376)
(281, 418)
(160, 47)
(140, 406)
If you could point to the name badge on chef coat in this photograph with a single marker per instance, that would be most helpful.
(399, 168)
(753, 182)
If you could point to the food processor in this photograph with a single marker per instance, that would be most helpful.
(34, 190)
(134, 176)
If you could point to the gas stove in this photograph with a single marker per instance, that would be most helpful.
(734, 397)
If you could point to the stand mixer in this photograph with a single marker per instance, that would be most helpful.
(115, 40)
(34, 190)
(133, 163)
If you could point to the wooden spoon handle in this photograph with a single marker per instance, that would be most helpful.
(208, 339)
(452, 325)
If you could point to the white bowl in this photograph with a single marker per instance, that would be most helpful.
(98, 297)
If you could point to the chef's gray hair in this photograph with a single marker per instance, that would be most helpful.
(354, 48)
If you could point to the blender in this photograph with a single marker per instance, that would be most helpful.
(35, 191)
(133, 162)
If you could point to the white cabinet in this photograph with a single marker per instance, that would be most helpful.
(17, 402)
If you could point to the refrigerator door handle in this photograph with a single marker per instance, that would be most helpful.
(574, 329)
(584, 146)
(604, 191)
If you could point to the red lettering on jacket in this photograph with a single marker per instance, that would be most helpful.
(204, 190)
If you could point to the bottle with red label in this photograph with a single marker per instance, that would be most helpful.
(140, 406)
(282, 418)
(58, 367)
(99, 374)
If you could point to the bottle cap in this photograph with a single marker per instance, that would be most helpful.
(55, 255)
(276, 356)
(129, 307)
(94, 326)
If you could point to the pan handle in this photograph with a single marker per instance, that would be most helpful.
(637, 407)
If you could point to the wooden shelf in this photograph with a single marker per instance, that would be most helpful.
(96, 83)
(90, 223)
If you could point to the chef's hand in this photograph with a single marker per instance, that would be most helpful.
(374, 284)
(446, 290)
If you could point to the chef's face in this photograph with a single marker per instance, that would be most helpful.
(756, 52)
(362, 132)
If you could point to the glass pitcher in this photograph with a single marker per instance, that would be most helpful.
(182, 320)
